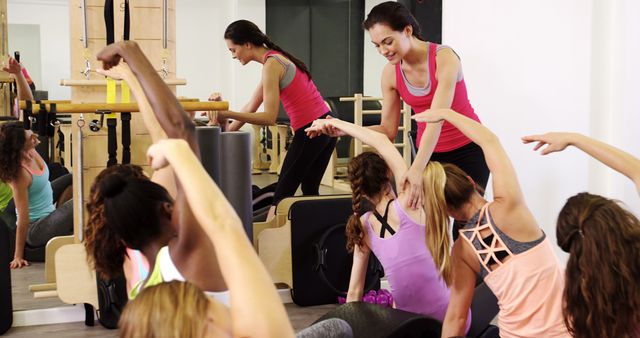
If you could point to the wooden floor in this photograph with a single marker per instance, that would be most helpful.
(300, 317)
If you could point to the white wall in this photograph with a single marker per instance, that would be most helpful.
(625, 112)
(550, 65)
(53, 18)
(373, 61)
(203, 58)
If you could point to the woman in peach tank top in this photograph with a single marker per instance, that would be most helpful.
(501, 241)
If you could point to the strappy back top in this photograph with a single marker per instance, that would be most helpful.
(528, 285)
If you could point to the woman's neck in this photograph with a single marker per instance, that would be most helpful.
(383, 199)
(30, 158)
(259, 54)
(417, 53)
(473, 206)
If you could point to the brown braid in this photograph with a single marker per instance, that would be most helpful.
(369, 175)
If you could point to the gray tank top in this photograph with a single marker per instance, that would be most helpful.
(514, 246)
(289, 70)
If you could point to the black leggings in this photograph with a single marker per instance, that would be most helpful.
(305, 164)
(470, 159)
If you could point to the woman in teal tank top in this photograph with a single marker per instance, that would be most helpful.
(27, 174)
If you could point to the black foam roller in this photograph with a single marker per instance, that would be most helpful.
(235, 175)
(209, 144)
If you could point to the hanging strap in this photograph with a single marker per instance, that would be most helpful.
(112, 123)
(126, 125)
(125, 97)
(108, 21)
(127, 21)
(383, 221)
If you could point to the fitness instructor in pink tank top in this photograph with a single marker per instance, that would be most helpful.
(425, 75)
(284, 79)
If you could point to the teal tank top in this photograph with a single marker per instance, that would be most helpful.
(40, 195)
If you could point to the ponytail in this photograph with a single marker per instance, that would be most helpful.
(245, 31)
(435, 207)
(299, 64)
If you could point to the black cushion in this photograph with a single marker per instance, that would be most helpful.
(373, 321)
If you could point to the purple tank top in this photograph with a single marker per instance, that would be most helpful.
(415, 283)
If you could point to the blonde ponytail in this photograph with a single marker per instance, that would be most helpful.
(438, 238)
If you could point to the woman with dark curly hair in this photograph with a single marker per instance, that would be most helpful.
(26, 172)
(602, 292)
(149, 215)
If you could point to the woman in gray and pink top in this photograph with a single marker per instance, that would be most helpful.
(286, 79)
(426, 76)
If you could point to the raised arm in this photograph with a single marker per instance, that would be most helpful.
(164, 177)
(256, 308)
(15, 69)
(371, 137)
(270, 97)
(506, 188)
(610, 156)
(173, 119)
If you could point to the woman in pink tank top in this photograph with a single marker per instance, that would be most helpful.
(284, 79)
(501, 241)
(602, 292)
(425, 75)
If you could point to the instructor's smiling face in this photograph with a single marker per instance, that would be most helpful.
(393, 45)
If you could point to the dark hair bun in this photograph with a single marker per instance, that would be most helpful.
(112, 185)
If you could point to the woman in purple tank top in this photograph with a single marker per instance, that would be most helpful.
(418, 270)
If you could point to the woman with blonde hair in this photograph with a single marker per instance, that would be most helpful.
(175, 309)
(415, 256)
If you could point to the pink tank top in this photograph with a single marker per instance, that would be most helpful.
(450, 137)
(528, 285)
(301, 99)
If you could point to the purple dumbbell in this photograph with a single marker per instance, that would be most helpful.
(368, 298)
(382, 299)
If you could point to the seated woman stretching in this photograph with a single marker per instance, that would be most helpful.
(162, 227)
(500, 241)
(418, 270)
(170, 309)
(602, 293)
(38, 219)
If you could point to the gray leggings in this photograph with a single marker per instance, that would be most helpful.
(329, 328)
(57, 223)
